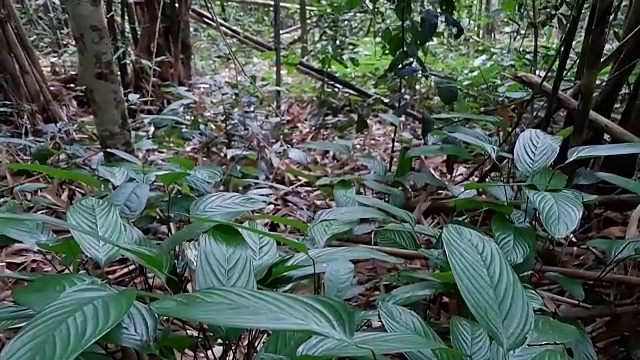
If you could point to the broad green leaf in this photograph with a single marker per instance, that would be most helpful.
(350, 213)
(490, 149)
(116, 175)
(572, 286)
(138, 328)
(224, 260)
(28, 232)
(535, 299)
(152, 257)
(256, 309)
(551, 355)
(582, 347)
(12, 312)
(226, 206)
(560, 212)
(342, 194)
(46, 289)
(298, 156)
(284, 220)
(397, 319)
(204, 178)
(488, 285)
(130, 198)
(397, 239)
(515, 242)
(623, 182)
(101, 217)
(409, 294)
(282, 344)
(446, 88)
(338, 280)
(70, 324)
(134, 236)
(439, 150)
(188, 232)
(547, 179)
(398, 213)
(328, 255)
(582, 152)
(529, 352)
(125, 156)
(335, 146)
(498, 353)
(425, 177)
(374, 164)
(263, 248)
(72, 175)
(468, 337)
(383, 188)
(365, 344)
(320, 232)
(547, 330)
(535, 150)
(617, 250)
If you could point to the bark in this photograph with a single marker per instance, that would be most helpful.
(303, 29)
(20, 71)
(97, 72)
(277, 45)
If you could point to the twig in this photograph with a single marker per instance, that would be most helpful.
(401, 253)
(591, 275)
(597, 311)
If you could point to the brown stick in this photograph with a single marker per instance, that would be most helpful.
(608, 126)
(597, 311)
(591, 275)
(401, 253)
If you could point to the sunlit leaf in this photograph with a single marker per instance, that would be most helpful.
(535, 150)
(560, 212)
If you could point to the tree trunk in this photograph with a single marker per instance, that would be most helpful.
(97, 72)
(22, 80)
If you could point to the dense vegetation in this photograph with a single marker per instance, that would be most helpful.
(319, 179)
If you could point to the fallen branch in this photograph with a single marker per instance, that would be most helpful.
(591, 275)
(597, 311)
(401, 253)
(617, 132)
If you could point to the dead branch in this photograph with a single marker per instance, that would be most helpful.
(534, 82)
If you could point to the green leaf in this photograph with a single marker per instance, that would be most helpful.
(617, 250)
(224, 260)
(351, 213)
(256, 309)
(572, 286)
(582, 152)
(320, 232)
(116, 175)
(328, 255)
(547, 179)
(551, 355)
(298, 156)
(130, 198)
(439, 150)
(338, 280)
(468, 337)
(515, 242)
(535, 150)
(409, 294)
(101, 217)
(547, 330)
(397, 319)
(282, 344)
(397, 239)
(138, 328)
(284, 220)
(560, 212)
(398, 213)
(623, 182)
(534, 298)
(226, 206)
(335, 146)
(488, 285)
(263, 248)
(126, 156)
(188, 232)
(582, 347)
(156, 259)
(69, 325)
(374, 164)
(61, 174)
(490, 149)
(447, 90)
(46, 289)
(342, 193)
(365, 344)
(28, 232)
(12, 312)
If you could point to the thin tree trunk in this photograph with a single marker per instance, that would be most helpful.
(97, 71)
(277, 45)
(303, 29)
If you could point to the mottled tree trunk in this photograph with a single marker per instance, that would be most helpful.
(97, 72)
(22, 80)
